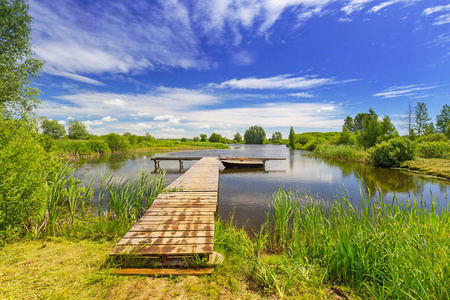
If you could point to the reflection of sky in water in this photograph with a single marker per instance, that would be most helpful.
(248, 193)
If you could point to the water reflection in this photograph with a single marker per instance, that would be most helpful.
(247, 193)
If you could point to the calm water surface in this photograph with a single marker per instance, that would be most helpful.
(247, 193)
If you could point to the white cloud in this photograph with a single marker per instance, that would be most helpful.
(114, 102)
(441, 20)
(354, 6)
(174, 121)
(382, 5)
(278, 82)
(171, 129)
(432, 10)
(403, 91)
(243, 58)
(302, 95)
(92, 123)
(62, 122)
(108, 119)
(164, 117)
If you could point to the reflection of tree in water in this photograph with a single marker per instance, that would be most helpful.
(116, 161)
(388, 180)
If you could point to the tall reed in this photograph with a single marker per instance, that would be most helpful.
(383, 249)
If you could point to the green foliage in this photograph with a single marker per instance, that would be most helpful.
(216, 138)
(53, 129)
(183, 140)
(18, 67)
(381, 249)
(387, 130)
(348, 125)
(310, 140)
(421, 117)
(392, 153)
(25, 168)
(196, 139)
(434, 150)
(117, 142)
(255, 135)
(341, 152)
(77, 130)
(98, 146)
(203, 137)
(346, 138)
(277, 136)
(368, 136)
(291, 137)
(436, 137)
(443, 119)
(237, 137)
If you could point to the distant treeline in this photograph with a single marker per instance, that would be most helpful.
(366, 138)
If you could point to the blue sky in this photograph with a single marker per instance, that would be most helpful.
(181, 68)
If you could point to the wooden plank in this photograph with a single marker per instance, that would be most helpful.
(164, 250)
(179, 213)
(163, 219)
(166, 241)
(161, 272)
(175, 233)
(172, 227)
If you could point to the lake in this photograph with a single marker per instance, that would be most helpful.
(247, 194)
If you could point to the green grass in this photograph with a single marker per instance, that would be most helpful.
(430, 166)
(341, 153)
(76, 148)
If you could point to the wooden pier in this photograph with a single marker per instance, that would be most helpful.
(179, 224)
(158, 160)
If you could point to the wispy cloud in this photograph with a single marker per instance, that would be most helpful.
(441, 19)
(286, 81)
(354, 6)
(302, 95)
(404, 91)
(382, 5)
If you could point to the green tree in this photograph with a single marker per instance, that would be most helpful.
(387, 130)
(421, 117)
(183, 140)
(18, 68)
(53, 129)
(358, 123)
(117, 142)
(255, 135)
(216, 138)
(291, 137)
(429, 129)
(237, 137)
(276, 136)
(77, 130)
(371, 130)
(348, 124)
(196, 139)
(203, 137)
(443, 119)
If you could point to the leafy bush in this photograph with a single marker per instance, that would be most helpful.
(431, 138)
(117, 142)
(98, 146)
(73, 147)
(434, 150)
(24, 169)
(392, 153)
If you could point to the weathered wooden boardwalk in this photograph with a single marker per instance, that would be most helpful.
(180, 221)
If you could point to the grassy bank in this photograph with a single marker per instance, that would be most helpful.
(307, 249)
(77, 148)
(429, 166)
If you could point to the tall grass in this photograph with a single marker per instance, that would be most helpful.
(340, 152)
(70, 200)
(383, 249)
(377, 249)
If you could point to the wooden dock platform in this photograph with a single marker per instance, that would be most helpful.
(180, 221)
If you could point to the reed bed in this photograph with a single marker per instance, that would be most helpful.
(377, 249)
(340, 152)
(120, 201)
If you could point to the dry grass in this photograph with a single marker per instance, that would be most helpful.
(62, 269)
